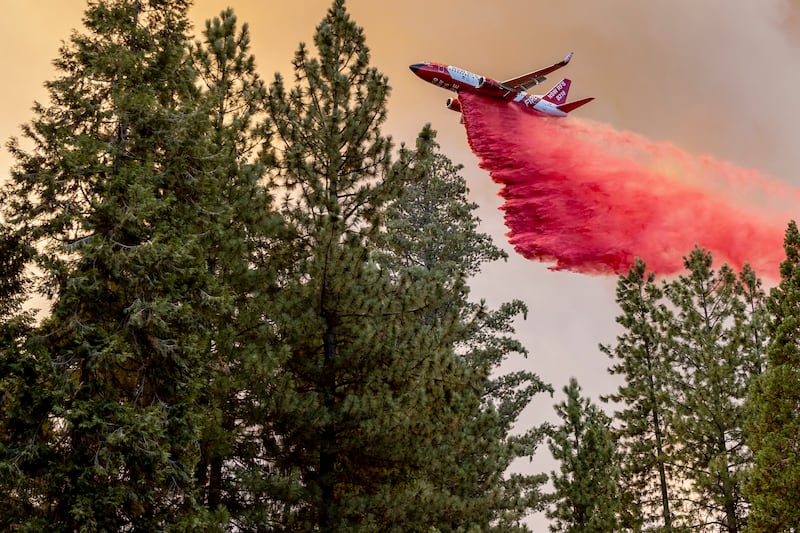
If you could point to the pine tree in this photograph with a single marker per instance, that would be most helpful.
(431, 229)
(644, 437)
(586, 498)
(19, 405)
(715, 356)
(121, 198)
(773, 423)
(14, 255)
(338, 426)
(241, 253)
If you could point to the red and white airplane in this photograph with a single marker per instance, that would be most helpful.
(554, 103)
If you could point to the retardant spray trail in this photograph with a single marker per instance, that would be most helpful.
(590, 199)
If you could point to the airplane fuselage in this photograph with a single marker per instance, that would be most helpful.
(457, 79)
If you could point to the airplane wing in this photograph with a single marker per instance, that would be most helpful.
(523, 83)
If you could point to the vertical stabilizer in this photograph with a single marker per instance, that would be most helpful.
(558, 94)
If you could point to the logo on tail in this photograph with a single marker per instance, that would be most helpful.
(558, 94)
(558, 97)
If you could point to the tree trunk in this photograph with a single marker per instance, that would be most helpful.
(327, 452)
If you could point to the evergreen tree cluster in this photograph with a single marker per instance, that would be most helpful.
(260, 320)
(705, 427)
(259, 309)
(689, 351)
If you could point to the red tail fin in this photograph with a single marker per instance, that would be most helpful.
(558, 94)
(566, 108)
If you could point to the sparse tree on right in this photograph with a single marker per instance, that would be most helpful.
(715, 353)
(586, 497)
(644, 405)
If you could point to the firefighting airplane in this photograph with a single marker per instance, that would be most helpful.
(554, 103)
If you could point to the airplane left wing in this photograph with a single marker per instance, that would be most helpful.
(524, 82)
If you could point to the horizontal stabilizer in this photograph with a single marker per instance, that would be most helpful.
(571, 106)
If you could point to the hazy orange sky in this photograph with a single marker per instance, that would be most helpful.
(717, 77)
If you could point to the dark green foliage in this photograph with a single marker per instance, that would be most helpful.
(645, 438)
(431, 231)
(374, 420)
(18, 404)
(714, 350)
(699, 341)
(341, 323)
(586, 495)
(14, 255)
(216, 358)
(773, 424)
(431, 225)
(240, 252)
(121, 197)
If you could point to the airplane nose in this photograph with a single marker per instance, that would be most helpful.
(415, 67)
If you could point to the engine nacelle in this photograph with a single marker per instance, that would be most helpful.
(453, 104)
(491, 87)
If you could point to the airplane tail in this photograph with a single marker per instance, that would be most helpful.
(558, 94)
(558, 97)
(566, 108)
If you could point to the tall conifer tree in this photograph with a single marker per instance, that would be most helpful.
(241, 251)
(645, 438)
(705, 330)
(716, 355)
(122, 197)
(345, 426)
(586, 496)
(431, 230)
(773, 423)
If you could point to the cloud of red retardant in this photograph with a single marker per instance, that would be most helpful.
(590, 199)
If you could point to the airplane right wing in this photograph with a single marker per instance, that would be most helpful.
(526, 81)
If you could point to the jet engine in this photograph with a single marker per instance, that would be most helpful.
(491, 87)
(454, 104)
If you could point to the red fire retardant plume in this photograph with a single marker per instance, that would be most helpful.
(590, 199)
